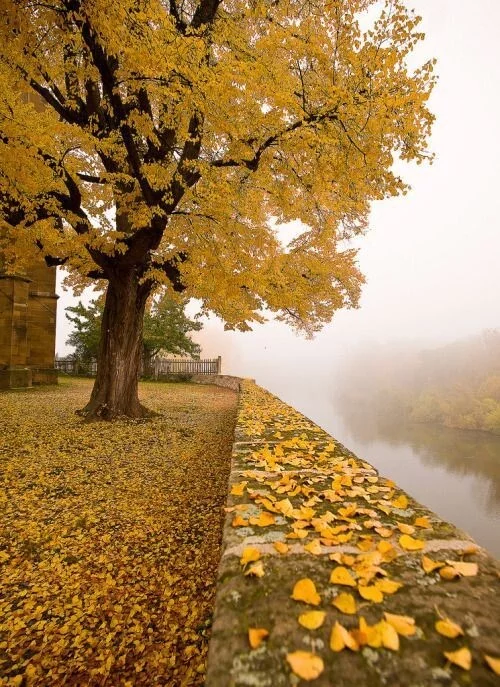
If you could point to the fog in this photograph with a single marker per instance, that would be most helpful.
(431, 257)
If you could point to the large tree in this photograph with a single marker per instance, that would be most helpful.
(148, 142)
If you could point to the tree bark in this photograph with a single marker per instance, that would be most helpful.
(115, 391)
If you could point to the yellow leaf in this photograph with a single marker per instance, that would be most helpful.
(313, 547)
(423, 521)
(405, 529)
(312, 619)
(256, 569)
(493, 662)
(256, 635)
(448, 628)
(461, 658)
(281, 547)
(371, 594)
(383, 531)
(403, 624)
(249, 555)
(388, 586)
(340, 638)
(384, 546)
(390, 639)
(401, 502)
(297, 534)
(463, 568)
(409, 543)
(449, 573)
(306, 665)
(341, 575)
(238, 489)
(345, 603)
(264, 520)
(305, 590)
(429, 565)
(365, 544)
(470, 549)
(238, 521)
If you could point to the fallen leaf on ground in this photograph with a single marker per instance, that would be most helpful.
(371, 593)
(388, 586)
(305, 590)
(493, 662)
(340, 638)
(306, 665)
(464, 569)
(448, 572)
(403, 624)
(341, 575)
(256, 635)
(448, 628)
(429, 565)
(281, 547)
(462, 657)
(238, 489)
(409, 543)
(249, 555)
(257, 569)
(345, 603)
(264, 520)
(405, 529)
(312, 619)
(390, 639)
(401, 502)
(423, 521)
(313, 547)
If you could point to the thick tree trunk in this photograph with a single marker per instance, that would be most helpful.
(115, 391)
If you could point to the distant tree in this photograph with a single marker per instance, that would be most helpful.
(166, 329)
(145, 142)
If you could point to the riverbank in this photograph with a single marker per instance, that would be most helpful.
(110, 536)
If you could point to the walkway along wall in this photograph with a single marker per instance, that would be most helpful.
(332, 575)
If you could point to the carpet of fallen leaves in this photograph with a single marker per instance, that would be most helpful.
(110, 536)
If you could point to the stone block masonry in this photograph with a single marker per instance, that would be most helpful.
(398, 596)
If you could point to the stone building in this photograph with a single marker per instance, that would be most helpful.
(28, 305)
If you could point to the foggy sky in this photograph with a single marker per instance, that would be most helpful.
(431, 257)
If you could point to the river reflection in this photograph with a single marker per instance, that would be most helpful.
(456, 473)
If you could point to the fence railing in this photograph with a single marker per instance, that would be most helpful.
(164, 366)
(160, 366)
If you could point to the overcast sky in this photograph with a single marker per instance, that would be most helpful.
(431, 258)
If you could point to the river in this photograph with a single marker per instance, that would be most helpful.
(456, 473)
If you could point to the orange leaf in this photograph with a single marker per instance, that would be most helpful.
(388, 586)
(345, 603)
(371, 594)
(256, 635)
(493, 662)
(423, 521)
(449, 573)
(306, 665)
(383, 531)
(257, 569)
(463, 568)
(403, 624)
(401, 502)
(313, 547)
(390, 639)
(249, 555)
(281, 547)
(312, 619)
(305, 590)
(409, 543)
(429, 565)
(340, 638)
(238, 521)
(448, 628)
(405, 529)
(341, 575)
(238, 489)
(461, 658)
(264, 520)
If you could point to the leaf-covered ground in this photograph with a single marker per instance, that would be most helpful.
(110, 536)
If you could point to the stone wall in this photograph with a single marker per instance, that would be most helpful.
(311, 527)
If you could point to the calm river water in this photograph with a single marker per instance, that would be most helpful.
(456, 473)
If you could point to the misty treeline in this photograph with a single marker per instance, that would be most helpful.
(456, 385)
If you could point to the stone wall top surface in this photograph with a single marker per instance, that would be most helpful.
(308, 519)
